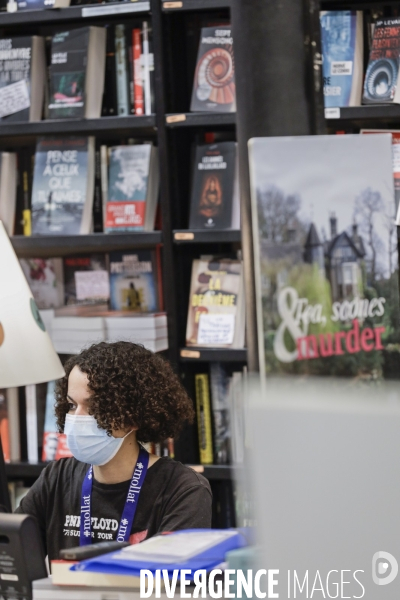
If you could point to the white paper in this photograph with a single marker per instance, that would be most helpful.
(216, 329)
(13, 98)
(92, 284)
(332, 113)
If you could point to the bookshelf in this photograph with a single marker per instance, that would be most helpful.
(175, 32)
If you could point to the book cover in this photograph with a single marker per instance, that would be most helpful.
(220, 383)
(215, 316)
(45, 279)
(4, 425)
(121, 67)
(212, 189)
(214, 80)
(69, 54)
(326, 256)
(128, 180)
(380, 84)
(15, 65)
(60, 183)
(86, 279)
(203, 410)
(341, 70)
(54, 443)
(133, 281)
(137, 71)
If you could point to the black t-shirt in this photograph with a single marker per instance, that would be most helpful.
(173, 497)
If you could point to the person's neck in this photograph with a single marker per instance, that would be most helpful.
(120, 468)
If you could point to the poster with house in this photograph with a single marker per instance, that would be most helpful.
(325, 244)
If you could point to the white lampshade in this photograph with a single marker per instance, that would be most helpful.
(27, 355)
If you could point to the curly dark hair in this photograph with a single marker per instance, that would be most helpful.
(130, 386)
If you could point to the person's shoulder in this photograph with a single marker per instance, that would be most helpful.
(64, 467)
(179, 473)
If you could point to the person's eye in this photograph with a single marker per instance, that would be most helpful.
(71, 406)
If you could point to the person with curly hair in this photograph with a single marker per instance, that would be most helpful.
(113, 397)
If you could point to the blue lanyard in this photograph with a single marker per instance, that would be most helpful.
(128, 514)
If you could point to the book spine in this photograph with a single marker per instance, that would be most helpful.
(109, 107)
(131, 70)
(121, 68)
(31, 423)
(104, 179)
(146, 69)
(137, 70)
(203, 408)
(13, 423)
(26, 182)
(97, 199)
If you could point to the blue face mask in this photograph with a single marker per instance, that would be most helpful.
(88, 443)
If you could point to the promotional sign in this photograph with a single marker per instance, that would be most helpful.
(326, 255)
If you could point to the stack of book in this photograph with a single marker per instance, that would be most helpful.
(149, 329)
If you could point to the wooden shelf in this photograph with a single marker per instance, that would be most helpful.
(77, 126)
(73, 13)
(204, 236)
(366, 113)
(37, 246)
(24, 470)
(188, 5)
(213, 354)
(200, 119)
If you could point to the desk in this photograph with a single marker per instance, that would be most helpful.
(43, 589)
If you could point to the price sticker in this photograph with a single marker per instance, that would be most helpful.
(13, 98)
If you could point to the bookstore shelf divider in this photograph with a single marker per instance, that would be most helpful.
(189, 5)
(201, 236)
(195, 354)
(200, 119)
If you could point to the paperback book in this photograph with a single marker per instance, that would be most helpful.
(133, 281)
(326, 255)
(215, 197)
(382, 75)
(86, 280)
(342, 57)
(214, 79)
(216, 304)
(63, 186)
(45, 279)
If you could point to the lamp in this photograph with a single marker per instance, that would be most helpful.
(27, 355)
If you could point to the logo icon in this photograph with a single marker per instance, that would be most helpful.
(384, 568)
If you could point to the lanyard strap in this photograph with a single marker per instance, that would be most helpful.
(128, 514)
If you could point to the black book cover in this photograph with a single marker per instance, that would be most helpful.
(97, 198)
(15, 64)
(212, 190)
(83, 262)
(214, 79)
(109, 108)
(69, 52)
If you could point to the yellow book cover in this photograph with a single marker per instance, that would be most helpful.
(203, 407)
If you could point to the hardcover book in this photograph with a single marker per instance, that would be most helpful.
(216, 304)
(63, 185)
(213, 186)
(133, 281)
(342, 56)
(22, 59)
(326, 257)
(214, 79)
(77, 73)
(381, 78)
(132, 188)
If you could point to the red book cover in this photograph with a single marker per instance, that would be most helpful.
(137, 71)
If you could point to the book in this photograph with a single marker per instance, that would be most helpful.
(4, 425)
(77, 72)
(381, 77)
(146, 68)
(121, 65)
(214, 80)
(220, 399)
(216, 314)
(63, 186)
(342, 57)
(86, 279)
(203, 411)
(31, 424)
(70, 335)
(8, 190)
(109, 106)
(133, 281)
(213, 191)
(13, 423)
(98, 194)
(45, 279)
(137, 71)
(41, 4)
(22, 59)
(133, 185)
(326, 259)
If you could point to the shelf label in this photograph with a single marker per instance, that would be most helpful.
(172, 4)
(197, 468)
(175, 118)
(13, 98)
(332, 113)
(184, 235)
(115, 9)
(190, 353)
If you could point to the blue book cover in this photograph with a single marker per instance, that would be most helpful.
(60, 186)
(340, 66)
(133, 281)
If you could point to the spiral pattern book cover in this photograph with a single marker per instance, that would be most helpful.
(214, 80)
(381, 78)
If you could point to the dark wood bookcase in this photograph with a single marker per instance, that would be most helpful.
(176, 31)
